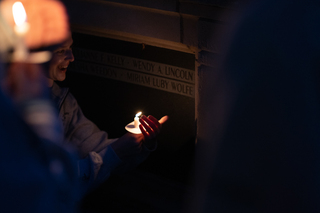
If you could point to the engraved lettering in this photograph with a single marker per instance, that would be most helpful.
(141, 65)
(161, 83)
(113, 60)
(137, 78)
(179, 73)
(182, 88)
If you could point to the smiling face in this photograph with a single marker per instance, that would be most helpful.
(59, 63)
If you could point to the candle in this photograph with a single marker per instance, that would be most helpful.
(21, 28)
(136, 120)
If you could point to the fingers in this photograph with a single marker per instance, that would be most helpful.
(154, 124)
(163, 119)
(150, 127)
(144, 132)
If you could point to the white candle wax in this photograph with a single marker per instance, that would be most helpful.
(136, 120)
(21, 28)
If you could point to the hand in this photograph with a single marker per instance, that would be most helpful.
(128, 145)
(150, 128)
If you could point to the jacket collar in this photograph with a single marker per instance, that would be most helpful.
(58, 94)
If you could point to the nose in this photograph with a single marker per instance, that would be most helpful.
(69, 56)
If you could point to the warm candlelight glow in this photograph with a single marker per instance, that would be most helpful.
(138, 114)
(136, 120)
(21, 52)
(20, 18)
(19, 13)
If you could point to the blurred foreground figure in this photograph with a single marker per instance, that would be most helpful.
(262, 154)
(47, 19)
(38, 174)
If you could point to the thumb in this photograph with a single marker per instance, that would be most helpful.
(163, 119)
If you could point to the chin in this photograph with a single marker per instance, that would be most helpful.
(60, 78)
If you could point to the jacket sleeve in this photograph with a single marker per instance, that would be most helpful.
(97, 167)
(97, 159)
(80, 131)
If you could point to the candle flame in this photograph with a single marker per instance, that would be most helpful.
(19, 13)
(138, 114)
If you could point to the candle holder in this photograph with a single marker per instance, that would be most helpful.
(133, 127)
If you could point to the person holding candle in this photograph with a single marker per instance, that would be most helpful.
(36, 168)
(99, 154)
